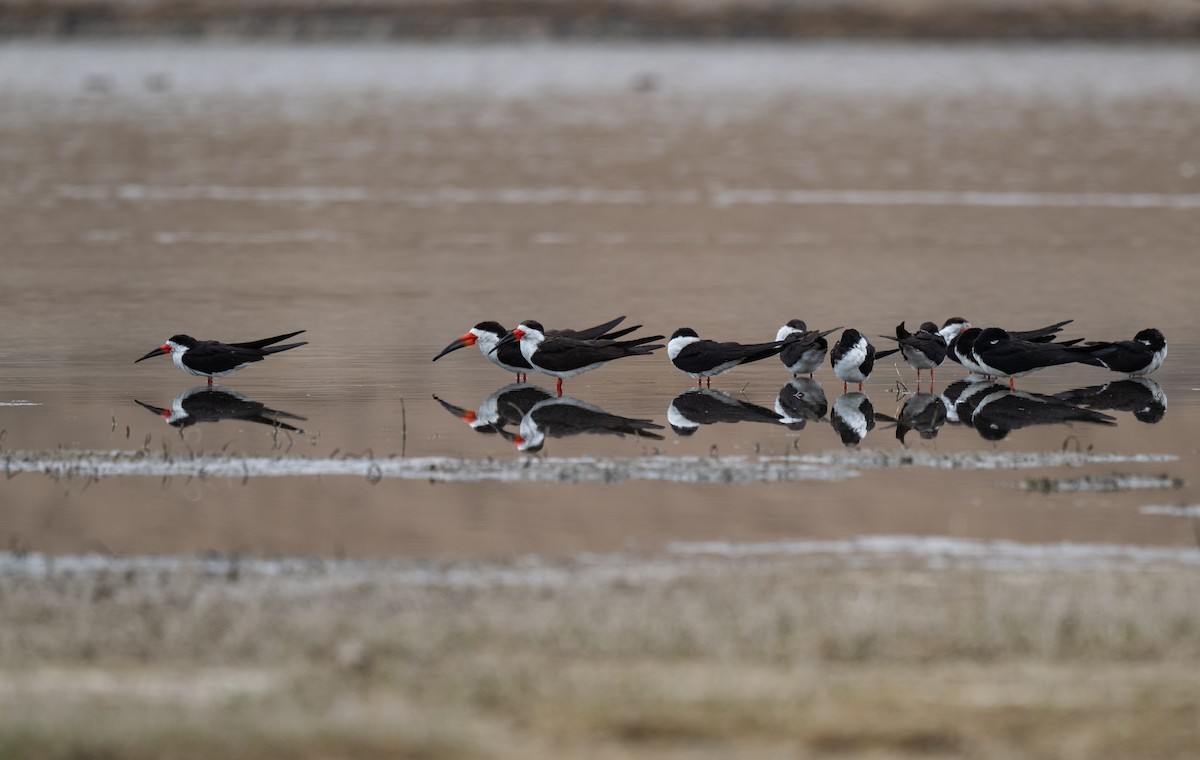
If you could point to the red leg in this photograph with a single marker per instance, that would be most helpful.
(210, 382)
(1012, 383)
(558, 387)
(708, 382)
(860, 387)
(844, 386)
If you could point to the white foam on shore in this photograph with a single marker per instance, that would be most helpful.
(929, 552)
(835, 465)
(946, 552)
(591, 196)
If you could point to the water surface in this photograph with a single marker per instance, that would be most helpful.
(387, 198)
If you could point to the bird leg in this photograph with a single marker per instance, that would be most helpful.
(210, 381)
(558, 387)
(708, 382)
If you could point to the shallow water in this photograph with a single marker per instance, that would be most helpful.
(387, 198)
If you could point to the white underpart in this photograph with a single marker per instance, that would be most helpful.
(1155, 362)
(846, 368)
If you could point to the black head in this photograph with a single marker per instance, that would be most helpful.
(684, 332)
(928, 327)
(797, 324)
(684, 432)
(954, 321)
(850, 336)
(492, 327)
(1153, 339)
(990, 336)
(183, 340)
(533, 324)
(1151, 413)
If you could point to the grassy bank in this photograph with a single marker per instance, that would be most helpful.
(637, 659)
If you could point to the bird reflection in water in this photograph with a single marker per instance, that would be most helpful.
(801, 401)
(922, 412)
(213, 404)
(504, 407)
(853, 417)
(705, 406)
(565, 416)
(1142, 396)
(995, 410)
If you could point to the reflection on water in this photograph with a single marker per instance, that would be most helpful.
(853, 417)
(1142, 396)
(801, 401)
(565, 416)
(996, 410)
(526, 414)
(213, 404)
(922, 412)
(538, 414)
(705, 406)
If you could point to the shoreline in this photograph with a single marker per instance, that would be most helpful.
(611, 20)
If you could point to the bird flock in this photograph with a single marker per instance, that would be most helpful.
(990, 352)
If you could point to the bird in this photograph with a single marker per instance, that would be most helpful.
(704, 406)
(803, 350)
(1138, 357)
(853, 358)
(206, 403)
(702, 359)
(1001, 355)
(487, 334)
(210, 358)
(561, 356)
(566, 416)
(924, 349)
(952, 327)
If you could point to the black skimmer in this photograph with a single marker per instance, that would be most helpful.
(210, 358)
(566, 416)
(702, 359)
(922, 412)
(505, 406)
(1001, 355)
(960, 338)
(803, 349)
(704, 406)
(952, 327)
(488, 334)
(924, 349)
(1140, 356)
(562, 357)
(212, 404)
(853, 358)
(801, 401)
(1142, 396)
(852, 417)
(999, 410)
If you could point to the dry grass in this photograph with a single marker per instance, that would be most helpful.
(684, 659)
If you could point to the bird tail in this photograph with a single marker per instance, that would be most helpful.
(268, 341)
(602, 331)
(880, 354)
(284, 347)
(639, 343)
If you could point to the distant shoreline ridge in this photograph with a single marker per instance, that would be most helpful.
(632, 20)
